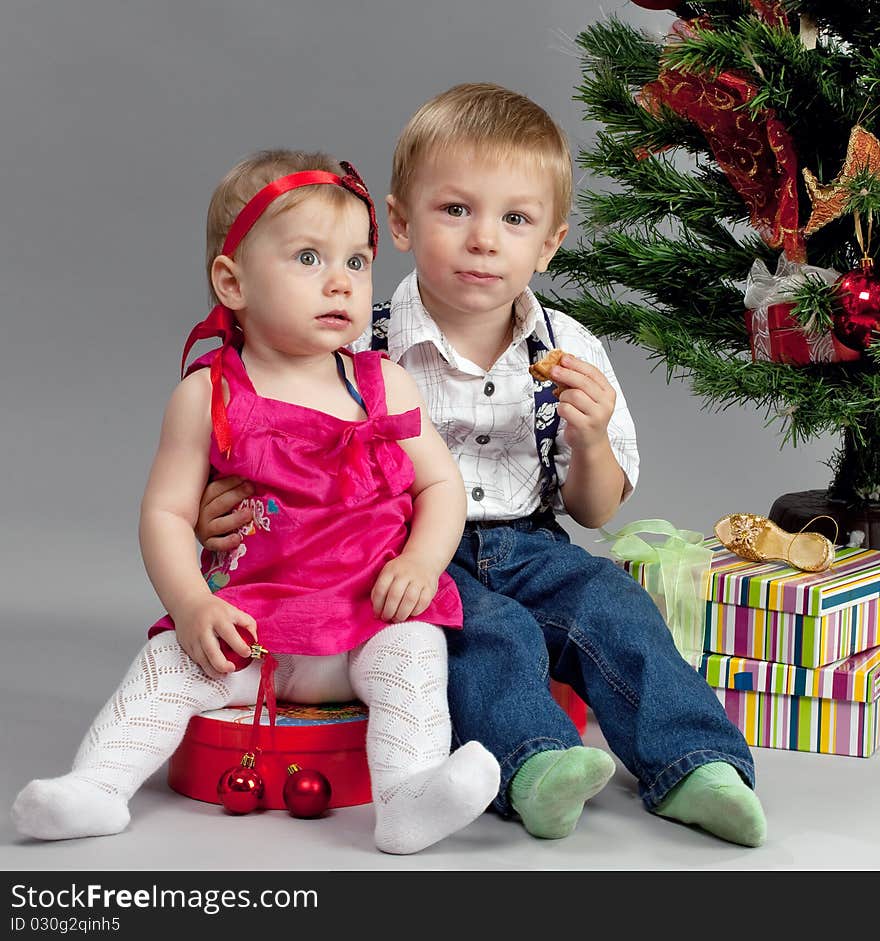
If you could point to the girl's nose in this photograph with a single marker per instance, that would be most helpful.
(338, 281)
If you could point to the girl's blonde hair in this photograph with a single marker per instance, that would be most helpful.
(247, 178)
(495, 121)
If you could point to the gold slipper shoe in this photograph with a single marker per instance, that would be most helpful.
(759, 539)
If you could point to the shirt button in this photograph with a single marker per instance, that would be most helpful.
(483, 439)
(477, 493)
(489, 388)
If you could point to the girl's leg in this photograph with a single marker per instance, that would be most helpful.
(139, 728)
(421, 794)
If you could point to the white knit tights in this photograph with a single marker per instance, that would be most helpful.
(421, 793)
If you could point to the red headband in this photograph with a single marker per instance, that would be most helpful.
(221, 321)
(258, 204)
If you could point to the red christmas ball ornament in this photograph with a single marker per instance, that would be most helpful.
(857, 307)
(306, 792)
(241, 789)
(238, 660)
(657, 4)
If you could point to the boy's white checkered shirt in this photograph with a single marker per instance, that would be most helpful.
(492, 436)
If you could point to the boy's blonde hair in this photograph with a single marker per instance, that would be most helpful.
(247, 178)
(500, 123)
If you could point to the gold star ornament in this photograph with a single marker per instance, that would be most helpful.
(829, 200)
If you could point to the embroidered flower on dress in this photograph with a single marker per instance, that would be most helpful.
(222, 563)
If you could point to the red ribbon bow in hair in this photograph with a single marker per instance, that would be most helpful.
(221, 323)
(354, 184)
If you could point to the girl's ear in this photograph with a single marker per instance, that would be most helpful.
(398, 223)
(226, 281)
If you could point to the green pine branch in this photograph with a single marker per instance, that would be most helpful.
(814, 305)
(655, 188)
(623, 50)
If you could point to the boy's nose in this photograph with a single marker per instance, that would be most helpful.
(483, 237)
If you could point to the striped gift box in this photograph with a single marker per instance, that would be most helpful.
(768, 611)
(799, 639)
(831, 709)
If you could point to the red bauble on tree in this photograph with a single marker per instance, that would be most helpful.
(306, 792)
(240, 789)
(857, 307)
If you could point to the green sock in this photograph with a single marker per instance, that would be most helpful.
(551, 787)
(717, 799)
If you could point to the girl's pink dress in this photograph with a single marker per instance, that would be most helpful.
(331, 507)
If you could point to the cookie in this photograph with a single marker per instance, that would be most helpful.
(541, 369)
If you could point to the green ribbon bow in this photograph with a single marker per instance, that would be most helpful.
(675, 574)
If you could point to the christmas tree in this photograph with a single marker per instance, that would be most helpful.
(732, 234)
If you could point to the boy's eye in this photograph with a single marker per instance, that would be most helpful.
(515, 218)
(357, 263)
(456, 209)
(308, 257)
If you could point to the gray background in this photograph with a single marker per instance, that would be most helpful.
(117, 118)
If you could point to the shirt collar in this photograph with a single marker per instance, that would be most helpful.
(529, 316)
(411, 324)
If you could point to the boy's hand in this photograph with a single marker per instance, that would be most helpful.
(199, 627)
(404, 588)
(217, 528)
(586, 403)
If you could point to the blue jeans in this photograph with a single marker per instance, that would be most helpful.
(537, 607)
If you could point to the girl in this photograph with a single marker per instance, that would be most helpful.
(358, 508)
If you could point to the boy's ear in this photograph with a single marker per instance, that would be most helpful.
(398, 224)
(226, 282)
(551, 246)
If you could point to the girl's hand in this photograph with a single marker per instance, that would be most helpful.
(405, 587)
(219, 520)
(200, 626)
(586, 403)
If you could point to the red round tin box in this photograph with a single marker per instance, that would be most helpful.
(329, 738)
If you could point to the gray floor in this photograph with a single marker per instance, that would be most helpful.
(823, 811)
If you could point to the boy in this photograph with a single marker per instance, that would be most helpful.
(480, 191)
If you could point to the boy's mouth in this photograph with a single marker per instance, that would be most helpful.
(335, 318)
(478, 277)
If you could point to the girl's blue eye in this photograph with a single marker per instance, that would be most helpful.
(357, 262)
(455, 210)
(308, 257)
(514, 218)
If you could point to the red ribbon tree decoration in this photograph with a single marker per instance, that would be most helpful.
(753, 148)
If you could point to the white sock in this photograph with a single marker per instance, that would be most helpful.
(421, 793)
(68, 807)
(136, 731)
(430, 805)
